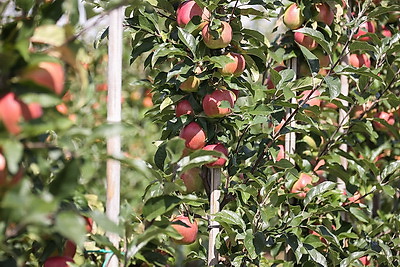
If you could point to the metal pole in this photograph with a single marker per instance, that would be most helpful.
(114, 116)
(214, 208)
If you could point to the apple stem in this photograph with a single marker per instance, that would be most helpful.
(214, 208)
(114, 116)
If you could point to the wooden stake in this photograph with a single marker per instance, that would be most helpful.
(214, 208)
(114, 116)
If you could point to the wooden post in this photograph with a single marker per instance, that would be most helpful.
(114, 116)
(214, 208)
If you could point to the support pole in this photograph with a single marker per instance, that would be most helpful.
(214, 208)
(114, 116)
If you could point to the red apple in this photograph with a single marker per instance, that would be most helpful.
(358, 61)
(281, 153)
(224, 39)
(234, 68)
(386, 32)
(364, 260)
(191, 84)
(192, 180)
(31, 111)
(306, 41)
(89, 224)
(211, 103)
(103, 87)
(47, 74)
(314, 100)
(293, 18)
(270, 84)
(194, 136)
(3, 169)
(325, 13)
(57, 261)
(188, 231)
(388, 117)
(219, 162)
(324, 62)
(189, 9)
(69, 249)
(366, 27)
(300, 186)
(183, 107)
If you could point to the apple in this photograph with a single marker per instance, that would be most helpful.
(31, 111)
(211, 103)
(234, 68)
(183, 107)
(293, 18)
(314, 100)
(364, 260)
(47, 74)
(306, 41)
(3, 169)
(57, 261)
(224, 36)
(357, 60)
(194, 136)
(191, 84)
(281, 153)
(188, 231)
(300, 186)
(323, 240)
(192, 180)
(102, 87)
(270, 84)
(365, 27)
(89, 224)
(69, 249)
(325, 13)
(386, 32)
(387, 116)
(148, 99)
(189, 9)
(324, 61)
(219, 162)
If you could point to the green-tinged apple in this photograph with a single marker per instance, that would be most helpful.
(187, 229)
(293, 17)
(301, 185)
(220, 161)
(366, 27)
(359, 60)
(235, 68)
(192, 180)
(47, 74)
(212, 102)
(194, 136)
(189, 9)
(324, 13)
(387, 116)
(224, 36)
(306, 41)
(58, 261)
(183, 107)
(191, 84)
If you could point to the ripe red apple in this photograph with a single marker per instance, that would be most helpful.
(325, 13)
(234, 68)
(305, 41)
(189, 9)
(387, 116)
(270, 84)
(191, 84)
(192, 180)
(300, 186)
(31, 111)
(47, 74)
(102, 87)
(224, 39)
(89, 224)
(57, 261)
(194, 136)
(357, 60)
(293, 18)
(386, 32)
(211, 103)
(366, 27)
(219, 162)
(314, 100)
(188, 231)
(69, 249)
(364, 260)
(183, 107)
(281, 153)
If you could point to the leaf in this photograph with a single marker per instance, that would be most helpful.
(66, 180)
(312, 60)
(49, 34)
(231, 218)
(318, 37)
(334, 86)
(389, 169)
(316, 256)
(158, 206)
(359, 214)
(361, 46)
(72, 226)
(188, 40)
(13, 152)
(248, 244)
(318, 190)
(219, 61)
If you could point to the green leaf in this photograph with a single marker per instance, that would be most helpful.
(361, 46)
(188, 40)
(318, 37)
(359, 214)
(312, 60)
(316, 256)
(72, 226)
(158, 206)
(389, 169)
(318, 190)
(231, 218)
(248, 244)
(66, 180)
(334, 86)
(13, 151)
